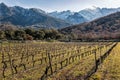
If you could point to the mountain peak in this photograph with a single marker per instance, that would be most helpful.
(92, 8)
(4, 10)
(95, 7)
(37, 10)
(67, 11)
(18, 7)
(2, 5)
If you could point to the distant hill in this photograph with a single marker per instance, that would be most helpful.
(84, 15)
(29, 17)
(105, 27)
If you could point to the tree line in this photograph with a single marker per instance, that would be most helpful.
(30, 34)
(11, 32)
(50, 34)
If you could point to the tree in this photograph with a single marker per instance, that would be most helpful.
(39, 34)
(19, 34)
(29, 37)
(9, 34)
(29, 31)
(59, 36)
(2, 34)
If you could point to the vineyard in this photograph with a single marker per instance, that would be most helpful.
(110, 69)
(54, 60)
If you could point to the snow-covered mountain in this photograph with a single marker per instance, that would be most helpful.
(62, 15)
(91, 14)
(76, 18)
(36, 17)
(84, 15)
(69, 16)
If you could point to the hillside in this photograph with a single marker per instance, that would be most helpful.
(105, 27)
(29, 17)
(4, 27)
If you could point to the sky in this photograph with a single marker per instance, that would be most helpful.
(62, 5)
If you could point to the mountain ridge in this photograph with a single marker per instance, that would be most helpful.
(38, 18)
(87, 14)
(29, 17)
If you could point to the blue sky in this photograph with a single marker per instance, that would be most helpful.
(61, 5)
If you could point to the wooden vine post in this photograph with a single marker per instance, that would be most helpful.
(50, 64)
(95, 57)
(10, 59)
(2, 62)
